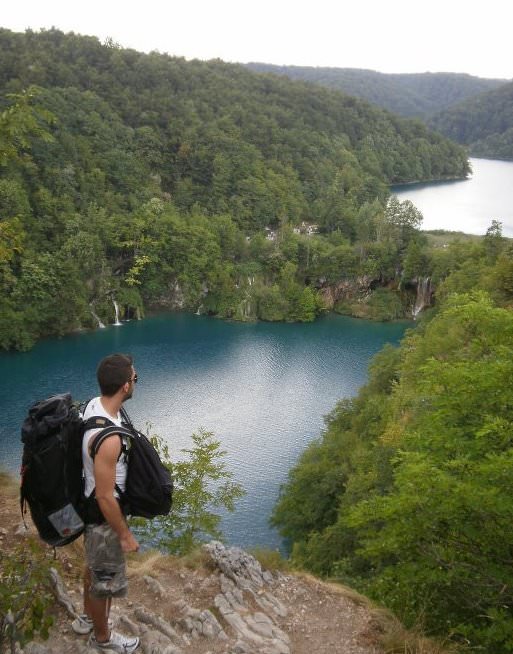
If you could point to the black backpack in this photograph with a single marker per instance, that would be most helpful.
(51, 469)
(52, 473)
(149, 486)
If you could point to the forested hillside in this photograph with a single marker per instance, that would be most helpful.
(148, 181)
(406, 496)
(484, 123)
(416, 94)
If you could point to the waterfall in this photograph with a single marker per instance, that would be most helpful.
(245, 308)
(95, 316)
(423, 298)
(198, 312)
(116, 309)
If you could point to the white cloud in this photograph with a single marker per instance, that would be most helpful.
(393, 36)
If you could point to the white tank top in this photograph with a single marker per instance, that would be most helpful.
(95, 408)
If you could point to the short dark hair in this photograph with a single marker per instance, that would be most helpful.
(114, 371)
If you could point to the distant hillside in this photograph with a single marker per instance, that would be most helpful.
(484, 123)
(151, 180)
(409, 95)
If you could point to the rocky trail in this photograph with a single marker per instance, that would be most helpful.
(225, 603)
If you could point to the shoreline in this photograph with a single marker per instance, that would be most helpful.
(432, 181)
(79, 331)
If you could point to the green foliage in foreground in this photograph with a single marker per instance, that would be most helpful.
(25, 595)
(202, 485)
(407, 494)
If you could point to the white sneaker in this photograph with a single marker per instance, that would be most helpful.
(84, 625)
(117, 643)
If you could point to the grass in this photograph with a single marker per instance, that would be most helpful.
(438, 238)
(387, 631)
(269, 559)
(9, 486)
(148, 563)
(152, 562)
(396, 639)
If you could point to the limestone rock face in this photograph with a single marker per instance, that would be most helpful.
(346, 289)
(243, 583)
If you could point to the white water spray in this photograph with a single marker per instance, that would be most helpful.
(99, 322)
(423, 298)
(116, 309)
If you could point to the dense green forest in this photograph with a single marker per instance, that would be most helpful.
(406, 495)
(484, 123)
(148, 181)
(406, 94)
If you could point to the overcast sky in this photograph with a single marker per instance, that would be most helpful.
(394, 36)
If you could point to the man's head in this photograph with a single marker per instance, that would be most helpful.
(115, 374)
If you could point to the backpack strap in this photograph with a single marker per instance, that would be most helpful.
(92, 510)
(111, 430)
(125, 419)
(97, 422)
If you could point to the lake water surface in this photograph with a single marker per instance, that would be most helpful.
(262, 388)
(467, 206)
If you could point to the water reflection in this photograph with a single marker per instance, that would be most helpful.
(470, 205)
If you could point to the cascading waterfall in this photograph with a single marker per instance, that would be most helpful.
(245, 307)
(116, 309)
(423, 298)
(96, 317)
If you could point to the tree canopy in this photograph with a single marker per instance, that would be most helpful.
(406, 94)
(484, 123)
(150, 181)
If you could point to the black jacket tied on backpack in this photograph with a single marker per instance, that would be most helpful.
(51, 470)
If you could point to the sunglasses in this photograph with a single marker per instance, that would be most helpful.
(133, 380)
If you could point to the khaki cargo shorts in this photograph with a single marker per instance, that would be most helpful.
(106, 561)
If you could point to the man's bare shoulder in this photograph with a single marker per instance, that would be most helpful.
(109, 448)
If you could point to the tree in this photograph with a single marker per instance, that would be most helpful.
(202, 484)
(403, 220)
(438, 542)
(416, 263)
(19, 122)
(494, 242)
(25, 595)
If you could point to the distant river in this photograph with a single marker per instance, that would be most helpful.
(262, 388)
(469, 205)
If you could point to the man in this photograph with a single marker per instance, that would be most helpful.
(108, 537)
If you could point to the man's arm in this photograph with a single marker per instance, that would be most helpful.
(105, 480)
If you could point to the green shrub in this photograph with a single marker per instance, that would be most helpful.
(25, 594)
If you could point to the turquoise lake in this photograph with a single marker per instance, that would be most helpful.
(263, 389)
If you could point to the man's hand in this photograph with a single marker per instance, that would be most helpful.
(128, 543)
